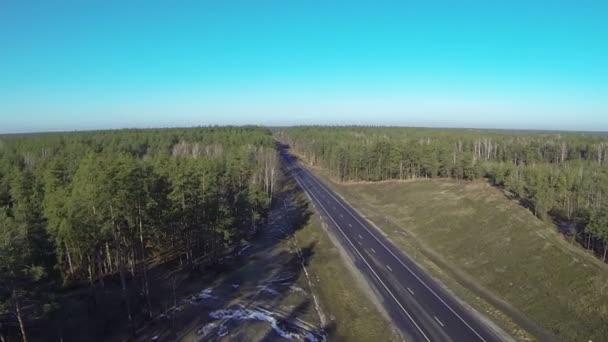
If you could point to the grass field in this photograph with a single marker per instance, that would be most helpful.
(490, 250)
(351, 314)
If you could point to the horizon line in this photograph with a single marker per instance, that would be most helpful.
(92, 130)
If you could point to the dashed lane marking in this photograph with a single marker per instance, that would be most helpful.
(438, 321)
(409, 316)
(321, 186)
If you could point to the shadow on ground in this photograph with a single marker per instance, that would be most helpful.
(263, 296)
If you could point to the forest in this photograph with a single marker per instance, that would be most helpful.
(559, 176)
(81, 208)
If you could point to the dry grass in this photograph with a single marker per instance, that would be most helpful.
(351, 314)
(500, 246)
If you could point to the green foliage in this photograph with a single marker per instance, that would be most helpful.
(598, 227)
(564, 176)
(80, 207)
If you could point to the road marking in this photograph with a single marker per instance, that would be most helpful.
(393, 254)
(359, 242)
(412, 292)
(389, 268)
(350, 225)
(373, 251)
(372, 270)
(341, 215)
(438, 321)
(360, 237)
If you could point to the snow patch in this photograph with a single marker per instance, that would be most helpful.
(295, 288)
(264, 288)
(203, 295)
(206, 329)
(243, 249)
(284, 279)
(264, 316)
(170, 312)
(222, 331)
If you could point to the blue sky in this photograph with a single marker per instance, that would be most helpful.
(68, 65)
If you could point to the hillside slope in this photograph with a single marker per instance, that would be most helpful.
(495, 248)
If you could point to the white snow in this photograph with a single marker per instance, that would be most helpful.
(243, 249)
(207, 328)
(284, 279)
(222, 331)
(297, 289)
(205, 294)
(264, 288)
(261, 315)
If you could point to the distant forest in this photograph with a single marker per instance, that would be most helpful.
(557, 175)
(79, 208)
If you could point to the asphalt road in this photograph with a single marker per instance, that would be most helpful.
(420, 307)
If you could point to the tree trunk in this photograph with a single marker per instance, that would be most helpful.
(90, 270)
(99, 261)
(109, 256)
(144, 266)
(67, 252)
(123, 284)
(19, 317)
(121, 271)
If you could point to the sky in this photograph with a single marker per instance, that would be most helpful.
(72, 65)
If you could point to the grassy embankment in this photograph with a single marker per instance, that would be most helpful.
(492, 253)
(351, 315)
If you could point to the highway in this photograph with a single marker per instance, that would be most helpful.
(420, 308)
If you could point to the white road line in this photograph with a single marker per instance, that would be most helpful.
(412, 292)
(370, 268)
(350, 225)
(359, 242)
(389, 268)
(399, 260)
(438, 321)
(360, 237)
(341, 215)
(373, 250)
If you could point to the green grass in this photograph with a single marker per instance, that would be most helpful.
(351, 315)
(489, 246)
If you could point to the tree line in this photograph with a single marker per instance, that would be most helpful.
(82, 207)
(559, 176)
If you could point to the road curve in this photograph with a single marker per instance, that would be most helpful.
(418, 306)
